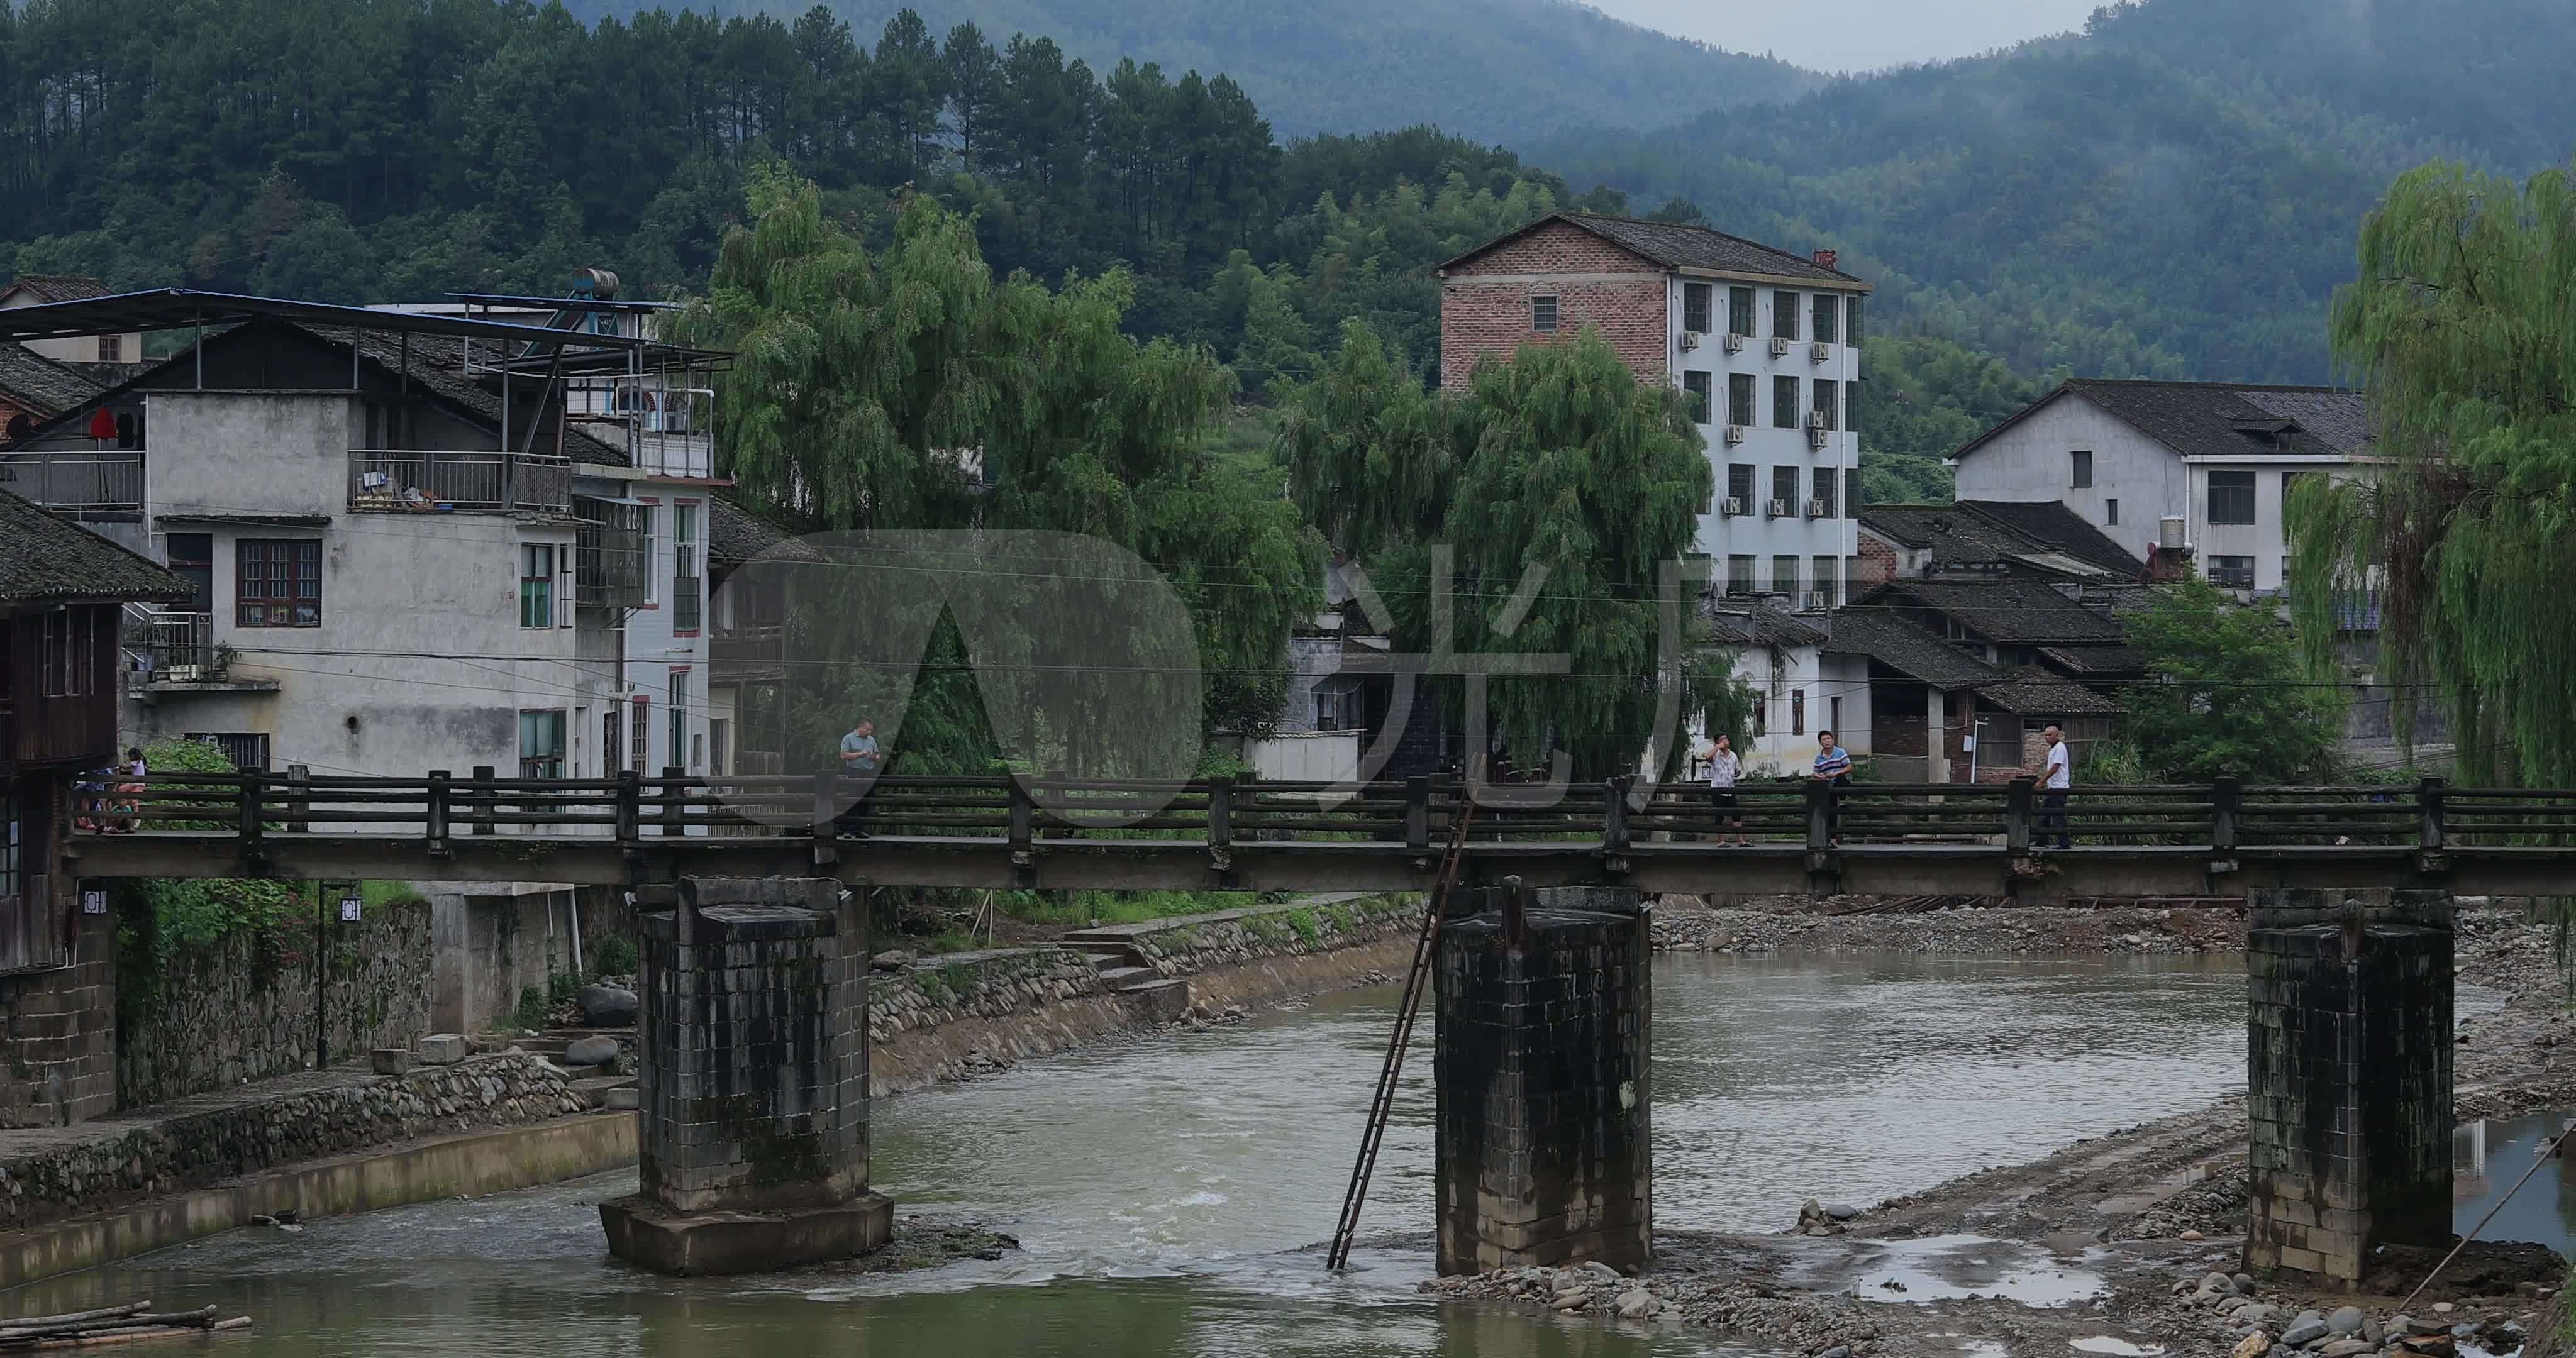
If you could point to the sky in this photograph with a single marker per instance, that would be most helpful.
(1859, 35)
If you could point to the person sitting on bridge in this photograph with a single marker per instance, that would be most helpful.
(859, 749)
(1833, 769)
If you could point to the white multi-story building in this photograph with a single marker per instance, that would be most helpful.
(2219, 457)
(1765, 344)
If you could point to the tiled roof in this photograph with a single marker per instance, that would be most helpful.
(2049, 536)
(2035, 692)
(428, 368)
(2011, 610)
(735, 536)
(1680, 247)
(1902, 645)
(2092, 662)
(1743, 623)
(2058, 527)
(2223, 419)
(37, 380)
(44, 559)
(55, 287)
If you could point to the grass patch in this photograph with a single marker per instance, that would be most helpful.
(1080, 909)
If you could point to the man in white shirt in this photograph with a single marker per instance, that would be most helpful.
(2054, 784)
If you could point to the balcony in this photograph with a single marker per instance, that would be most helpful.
(76, 482)
(174, 651)
(444, 482)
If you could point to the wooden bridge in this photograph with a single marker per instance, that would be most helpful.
(1061, 833)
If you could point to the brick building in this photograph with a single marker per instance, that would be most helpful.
(1765, 344)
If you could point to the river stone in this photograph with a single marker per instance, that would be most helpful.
(2370, 1331)
(590, 1051)
(1594, 1268)
(2220, 1283)
(892, 959)
(2254, 1345)
(2345, 1320)
(2304, 1330)
(608, 1006)
(1637, 1305)
(1841, 1211)
(2344, 1348)
(1573, 1301)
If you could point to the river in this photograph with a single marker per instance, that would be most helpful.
(1169, 1190)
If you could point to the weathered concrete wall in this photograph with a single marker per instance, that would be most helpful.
(1543, 1149)
(2348, 1077)
(494, 943)
(243, 1009)
(57, 1173)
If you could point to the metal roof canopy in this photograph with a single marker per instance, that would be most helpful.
(187, 308)
(560, 303)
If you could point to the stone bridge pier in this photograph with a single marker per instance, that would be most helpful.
(1542, 1149)
(2348, 1097)
(753, 1081)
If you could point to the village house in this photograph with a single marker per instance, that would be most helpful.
(62, 591)
(2216, 458)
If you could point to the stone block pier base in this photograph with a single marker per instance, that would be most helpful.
(753, 1082)
(1542, 1152)
(2348, 1078)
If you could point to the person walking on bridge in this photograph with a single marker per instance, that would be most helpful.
(1833, 769)
(1723, 766)
(2054, 782)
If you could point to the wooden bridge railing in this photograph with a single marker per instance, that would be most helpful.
(1414, 813)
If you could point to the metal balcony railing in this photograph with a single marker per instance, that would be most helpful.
(437, 480)
(76, 481)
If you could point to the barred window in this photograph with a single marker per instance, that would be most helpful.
(279, 582)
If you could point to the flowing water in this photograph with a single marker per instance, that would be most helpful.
(1170, 1191)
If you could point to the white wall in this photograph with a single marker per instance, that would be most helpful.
(2030, 464)
(1308, 756)
(1822, 679)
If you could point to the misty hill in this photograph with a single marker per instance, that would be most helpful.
(2173, 194)
(1487, 69)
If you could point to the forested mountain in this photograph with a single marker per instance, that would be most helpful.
(1484, 69)
(2172, 194)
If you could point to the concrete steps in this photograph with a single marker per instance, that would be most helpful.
(595, 1090)
(1131, 975)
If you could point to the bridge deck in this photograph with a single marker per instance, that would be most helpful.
(1968, 840)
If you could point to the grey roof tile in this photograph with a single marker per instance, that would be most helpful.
(1907, 647)
(45, 559)
(40, 381)
(1680, 247)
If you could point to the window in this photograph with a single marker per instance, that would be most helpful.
(2079, 472)
(1696, 389)
(1698, 300)
(279, 582)
(1828, 403)
(2111, 513)
(536, 584)
(1739, 311)
(679, 716)
(1739, 399)
(1824, 482)
(1739, 484)
(1797, 712)
(1834, 713)
(1828, 310)
(248, 750)
(687, 599)
(1328, 709)
(719, 745)
(697, 752)
(111, 348)
(2232, 572)
(1784, 488)
(1784, 403)
(1851, 333)
(1784, 315)
(1543, 313)
(1826, 567)
(69, 652)
(2289, 487)
(13, 880)
(1851, 493)
(1761, 715)
(192, 558)
(1739, 575)
(2231, 497)
(541, 743)
(612, 746)
(1784, 575)
(635, 735)
(644, 517)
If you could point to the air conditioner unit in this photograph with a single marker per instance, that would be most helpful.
(1732, 507)
(1816, 600)
(1817, 434)
(1734, 435)
(1779, 509)
(1819, 351)
(1779, 346)
(1734, 343)
(1690, 340)
(1818, 509)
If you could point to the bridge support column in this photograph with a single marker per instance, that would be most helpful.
(1542, 1139)
(753, 1082)
(2348, 1078)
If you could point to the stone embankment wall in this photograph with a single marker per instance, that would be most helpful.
(243, 1009)
(96, 1165)
(964, 1013)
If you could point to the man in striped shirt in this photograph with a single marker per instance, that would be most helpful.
(1833, 768)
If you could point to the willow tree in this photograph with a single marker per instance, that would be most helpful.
(908, 389)
(1542, 516)
(2462, 323)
